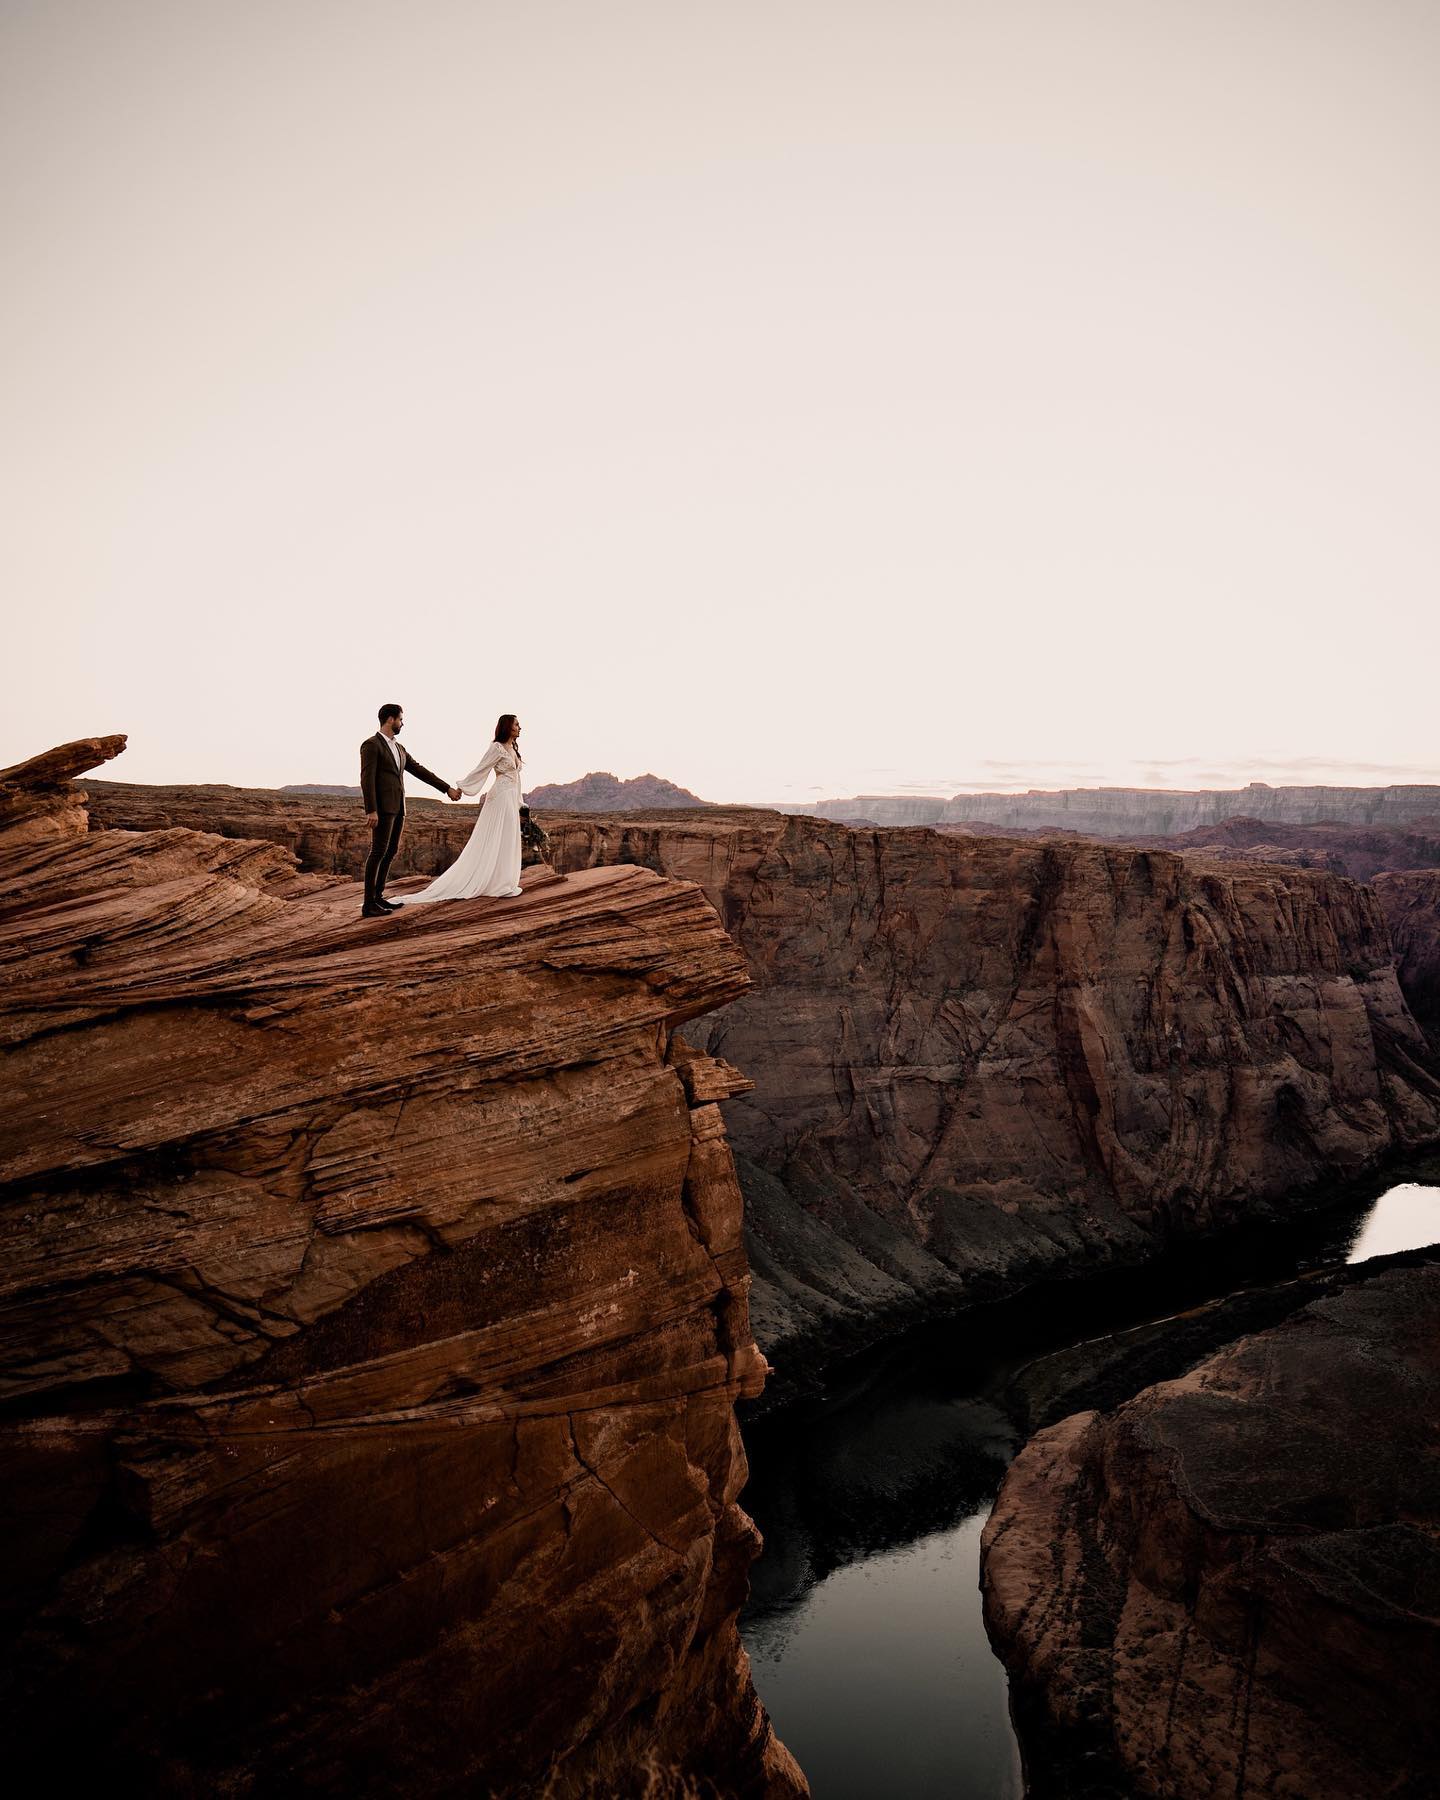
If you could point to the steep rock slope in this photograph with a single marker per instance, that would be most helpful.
(1231, 1584)
(982, 1061)
(374, 1311)
(1411, 904)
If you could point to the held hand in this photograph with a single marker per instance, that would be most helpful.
(372, 820)
(454, 793)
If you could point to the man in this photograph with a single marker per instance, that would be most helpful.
(384, 765)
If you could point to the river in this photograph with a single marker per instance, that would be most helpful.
(864, 1624)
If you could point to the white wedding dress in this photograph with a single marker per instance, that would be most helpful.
(490, 862)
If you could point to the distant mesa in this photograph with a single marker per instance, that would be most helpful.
(600, 791)
(317, 787)
(1119, 812)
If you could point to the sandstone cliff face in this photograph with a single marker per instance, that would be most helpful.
(1231, 1584)
(374, 1312)
(977, 1062)
(1411, 904)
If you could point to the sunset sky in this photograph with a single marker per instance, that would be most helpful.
(793, 399)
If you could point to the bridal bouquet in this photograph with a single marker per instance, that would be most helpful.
(534, 840)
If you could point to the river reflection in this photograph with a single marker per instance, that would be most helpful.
(864, 1625)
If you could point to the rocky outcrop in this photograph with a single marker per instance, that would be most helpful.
(1119, 812)
(1411, 904)
(39, 799)
(978, 1062)
(601, 791)
(374, 1311)
(1231, 1583)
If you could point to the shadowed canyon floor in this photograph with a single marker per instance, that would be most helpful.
(865, 1623)
(375, 1309)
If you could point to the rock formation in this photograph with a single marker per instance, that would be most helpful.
(1231, 1583)
(1359, 851)
(979, 1061)
(326, 832)
(374, 1312)
(1118, 812)
(601, 791)
(1411, 904)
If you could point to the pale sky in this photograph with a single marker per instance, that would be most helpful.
(793, 398)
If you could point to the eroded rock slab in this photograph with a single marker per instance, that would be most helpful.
(374, 1309)
(1231, 1584)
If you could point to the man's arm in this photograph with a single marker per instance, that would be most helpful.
(367, 775)
(413, 766)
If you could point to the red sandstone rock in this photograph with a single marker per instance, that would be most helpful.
(979, 1062)
(1232, 1583)
(38, 798)
(374, 1310)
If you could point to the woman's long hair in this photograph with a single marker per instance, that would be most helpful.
(502, 732)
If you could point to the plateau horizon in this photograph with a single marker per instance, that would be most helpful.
(154, 766)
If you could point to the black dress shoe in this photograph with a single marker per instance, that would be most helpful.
(389, 905)
(374, 912)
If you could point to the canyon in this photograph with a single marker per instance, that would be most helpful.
(1230, 1583)
(980, 1062)
(375, 1314)
(1120, 812)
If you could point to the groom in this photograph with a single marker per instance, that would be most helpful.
(383, 768)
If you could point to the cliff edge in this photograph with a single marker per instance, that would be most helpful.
(982, 1062)
(374, 1312)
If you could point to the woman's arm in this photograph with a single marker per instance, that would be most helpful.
(478, 776)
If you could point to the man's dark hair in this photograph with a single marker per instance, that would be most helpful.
(390, 711)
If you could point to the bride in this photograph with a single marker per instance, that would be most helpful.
(490, 862)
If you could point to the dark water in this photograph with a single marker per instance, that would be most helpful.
(864, 1626)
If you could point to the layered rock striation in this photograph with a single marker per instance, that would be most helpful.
(1231, 1583)
(979, 1061)
(375, 1308)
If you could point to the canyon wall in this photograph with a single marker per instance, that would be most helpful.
(374, 1312)
(1231, 1583)
(978, 1061)
(1411, 904)
(1119, 812)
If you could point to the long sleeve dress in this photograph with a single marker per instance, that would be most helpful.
(490, 862)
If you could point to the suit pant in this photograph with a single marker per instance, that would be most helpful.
(384, 842)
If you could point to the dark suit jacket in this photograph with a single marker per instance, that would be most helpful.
(381, 785)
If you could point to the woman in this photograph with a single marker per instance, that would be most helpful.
(490, 862)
